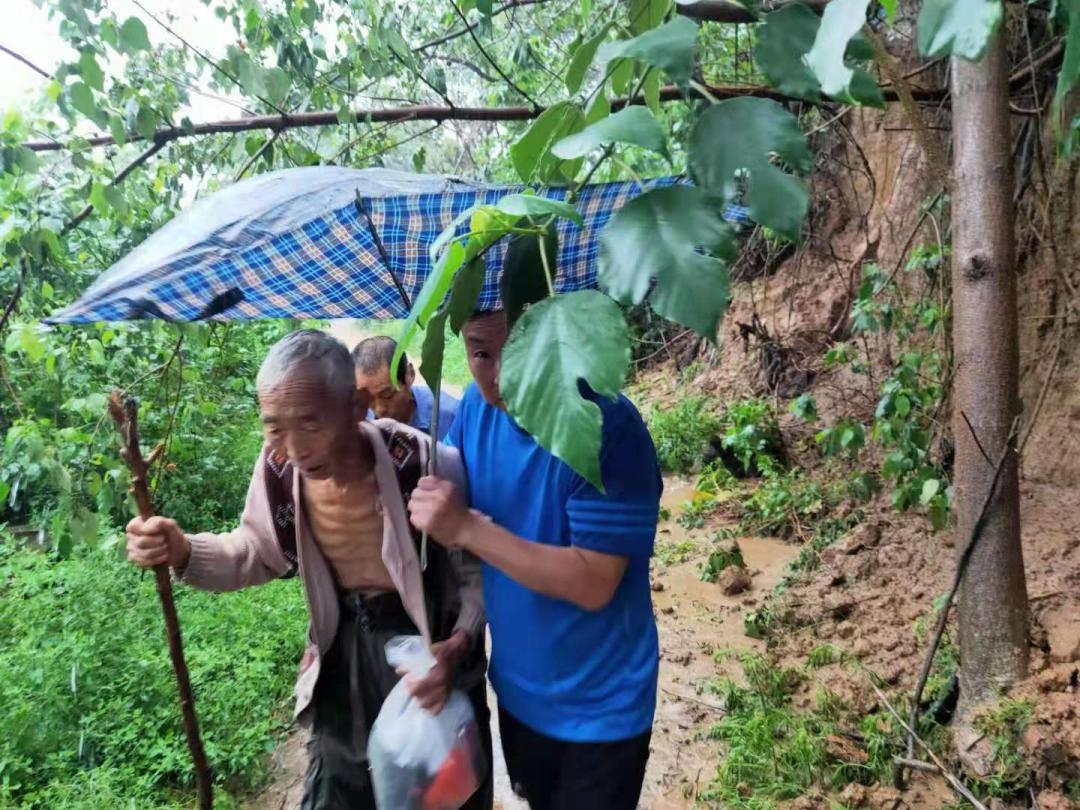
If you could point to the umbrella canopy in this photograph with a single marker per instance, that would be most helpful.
(323, 242)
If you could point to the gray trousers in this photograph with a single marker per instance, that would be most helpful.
(353, 683)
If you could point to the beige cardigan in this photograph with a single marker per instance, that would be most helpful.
(250, 555)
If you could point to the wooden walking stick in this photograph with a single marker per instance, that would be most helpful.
(125, 414)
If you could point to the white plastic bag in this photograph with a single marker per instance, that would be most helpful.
(421, 761)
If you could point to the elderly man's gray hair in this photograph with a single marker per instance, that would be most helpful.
(327, 355)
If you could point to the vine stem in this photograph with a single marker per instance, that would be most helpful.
(704, 91)
(547, 266)
(622, 164)
(961, 567)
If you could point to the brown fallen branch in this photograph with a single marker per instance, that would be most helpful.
(954, 782)
(435, 112)
(961, 567)
(125, 414)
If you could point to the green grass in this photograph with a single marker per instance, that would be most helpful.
(1004, 725)
(88, 707)
(668, 553)
(774, 753)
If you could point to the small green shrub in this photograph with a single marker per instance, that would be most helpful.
(903, 426)
(672, 553)
(752, 436)
(724, 557)
(695, 511)
(823, 655)
(775, 752)
(683, 433)
(783, 503)
(1004, 725)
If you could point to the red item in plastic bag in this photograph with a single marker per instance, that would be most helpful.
(453, 784)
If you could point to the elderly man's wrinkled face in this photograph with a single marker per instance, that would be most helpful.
(387, 401)
(308, 423)
(485, 336)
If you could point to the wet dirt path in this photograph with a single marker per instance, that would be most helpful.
(696, 621)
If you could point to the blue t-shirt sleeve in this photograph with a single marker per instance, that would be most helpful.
(623, 519)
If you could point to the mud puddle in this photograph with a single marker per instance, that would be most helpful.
(701, 639)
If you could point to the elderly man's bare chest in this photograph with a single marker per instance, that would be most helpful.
(347, 522)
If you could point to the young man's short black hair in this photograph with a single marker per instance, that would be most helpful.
(372, 353)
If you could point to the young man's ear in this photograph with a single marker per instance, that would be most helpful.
(410, 376)
(361, 404)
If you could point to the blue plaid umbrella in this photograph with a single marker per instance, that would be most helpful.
(323, 242)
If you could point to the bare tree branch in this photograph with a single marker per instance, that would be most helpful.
(453, 60)
(491, 60)
(25, 61)
(423, 112)
(203, 56)
(136, 163)
(15, 296)
(470, 26)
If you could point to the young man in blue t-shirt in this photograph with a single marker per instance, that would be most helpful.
(566, 586)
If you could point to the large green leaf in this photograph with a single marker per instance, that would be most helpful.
(146, 122)
(599, 109)
(668, 48)
(430, 299)
(82, 99)
(647, 14)
(958, 27)
(582, 58)
(631, 125)
(622, 72)
(433, 348)
(676, 239)
(739, 136)
(786, 36)
(90, 70)
(840, 24)
(463, 294)
(650, 89)
(557, 343)
(531, 153)
(133, 36)
(276, 83)
(783, 38)
(524, 279)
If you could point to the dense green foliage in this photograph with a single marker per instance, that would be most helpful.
(87, 697)
(682, 432)
(60, 468)
(905, 428)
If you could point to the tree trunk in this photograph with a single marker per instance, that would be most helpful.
(993, 595)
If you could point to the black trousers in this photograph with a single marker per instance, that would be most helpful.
(555, 775)
(353, 683)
